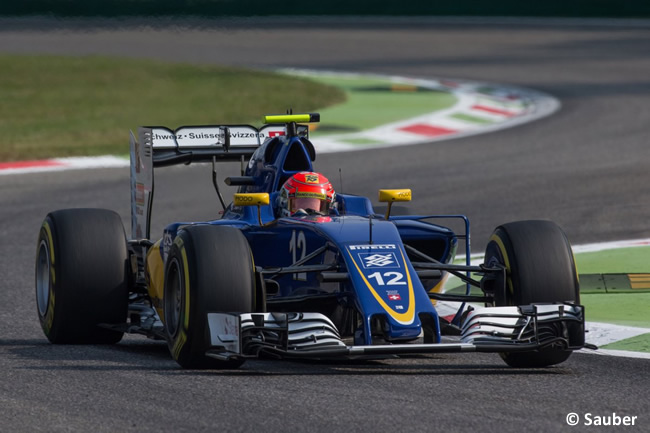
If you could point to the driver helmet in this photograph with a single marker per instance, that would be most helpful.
(306, 192)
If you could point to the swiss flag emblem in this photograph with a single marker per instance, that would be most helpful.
(275, 133)
(395, 297)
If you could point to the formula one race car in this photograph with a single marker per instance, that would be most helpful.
(334, 279)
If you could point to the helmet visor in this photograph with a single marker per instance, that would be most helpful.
(309, 203)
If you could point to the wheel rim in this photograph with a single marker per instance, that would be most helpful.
(173, 298)
(43, 281)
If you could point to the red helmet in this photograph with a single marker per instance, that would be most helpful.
(306, 190)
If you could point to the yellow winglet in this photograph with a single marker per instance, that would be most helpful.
(288, 118)
(391, 195)
(251, 199)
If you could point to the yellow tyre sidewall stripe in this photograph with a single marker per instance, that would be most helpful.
(48, 318)
(181, 337)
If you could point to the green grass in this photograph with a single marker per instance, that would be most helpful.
(615, 261)
(370, 103)
(640, 343)
(65, 106)
(629, 309)
(624, 260)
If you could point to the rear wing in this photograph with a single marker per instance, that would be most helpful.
(203, 143)
(158, 146)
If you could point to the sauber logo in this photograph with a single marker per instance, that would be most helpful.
(373, 247)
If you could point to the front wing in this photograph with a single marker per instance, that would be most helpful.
(314, 336)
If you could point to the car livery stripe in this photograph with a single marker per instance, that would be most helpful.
(401, 318)
(441, 284)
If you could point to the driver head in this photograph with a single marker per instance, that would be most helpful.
(306, 192)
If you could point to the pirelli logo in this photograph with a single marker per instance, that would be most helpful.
(373, 247)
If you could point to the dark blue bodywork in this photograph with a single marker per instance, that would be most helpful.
(373, 291)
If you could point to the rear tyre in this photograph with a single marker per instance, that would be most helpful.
(81, 276)
(540, 268)
(209, 270)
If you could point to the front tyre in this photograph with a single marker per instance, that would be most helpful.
(540, 268)
(81, 276)
(209, 270)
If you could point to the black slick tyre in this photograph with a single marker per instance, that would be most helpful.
(540, 268)
(209, 269)
(81, 276)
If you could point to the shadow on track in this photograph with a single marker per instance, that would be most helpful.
(154, 357)
(414, 366)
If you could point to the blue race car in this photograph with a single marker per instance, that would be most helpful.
(295, 270)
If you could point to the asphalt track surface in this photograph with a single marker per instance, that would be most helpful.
(584, 167)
